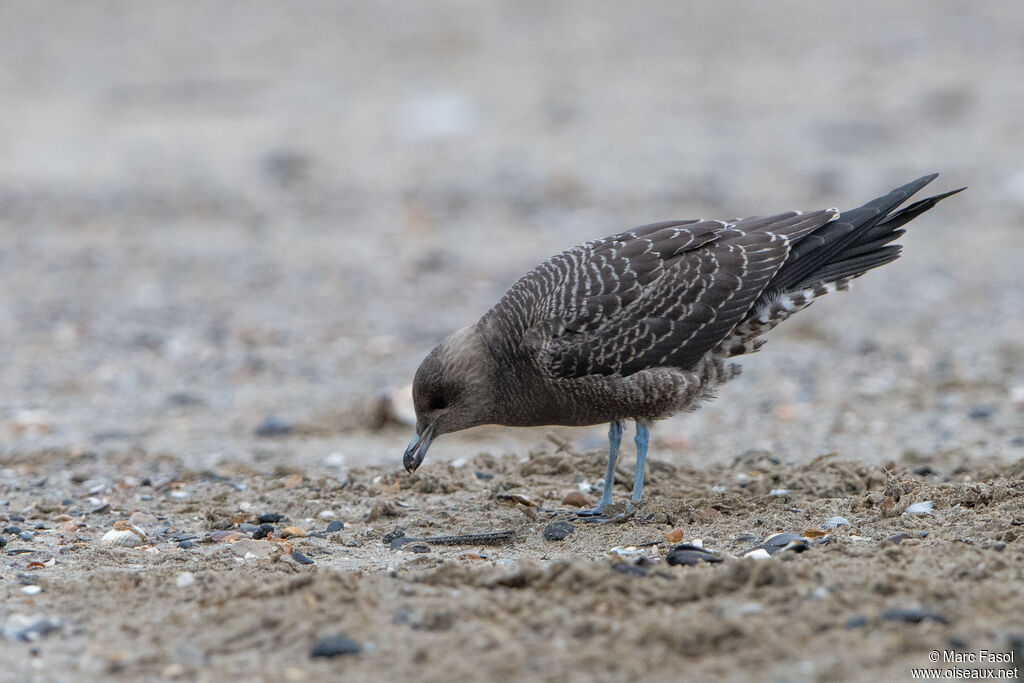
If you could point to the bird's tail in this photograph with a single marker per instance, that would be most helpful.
(855, 242)
(828, 258)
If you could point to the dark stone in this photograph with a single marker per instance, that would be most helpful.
(12, 530)
(484, 475)
(335, 646)
(183, 536)
(924, 471)
(273, 426)
(336, 525)
(16, 518)
(301, 559)
(26, 535)
(418, 548)
(859, 621)
(3, 541)
(249, 528)
(629, 569)
(982, 412)
(67, 501)
(999, 546)
(912, 615)
(270, 518)
(558, 531)
(262, 531)
(690, 555)
(395, 534)
(187, 544)
(100, 509)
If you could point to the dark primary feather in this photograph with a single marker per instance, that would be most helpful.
(667, 293)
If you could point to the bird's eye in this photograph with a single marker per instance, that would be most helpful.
(438, 402)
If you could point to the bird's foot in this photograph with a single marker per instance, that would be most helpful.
(591, 512)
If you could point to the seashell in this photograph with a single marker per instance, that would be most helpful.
(757, 554)
(835, 522)
(779, 492)
(123, 535)
(229, 536)
(290, 531)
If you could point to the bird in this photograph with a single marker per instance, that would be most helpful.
(646, 323)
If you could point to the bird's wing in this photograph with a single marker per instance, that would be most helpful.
(661, 295)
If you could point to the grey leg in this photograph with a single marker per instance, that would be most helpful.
(642, 437)
(614, 439)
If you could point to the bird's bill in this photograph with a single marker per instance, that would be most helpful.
(417, 449)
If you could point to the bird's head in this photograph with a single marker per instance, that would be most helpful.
(453, 389)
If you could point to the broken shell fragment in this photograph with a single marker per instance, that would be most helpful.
(290, 531)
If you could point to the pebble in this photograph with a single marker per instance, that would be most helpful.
(26, 535)
(327, 514)
(228, 536)
(185, 579)
(576, 499)
(185, 545)
(270, 518)
(301, 559)
(12, 530)
(558, 531)
(336, 525)
(262, 531)
(334, 646)
(913, 615)
(32, 590)
(417, 548)
(3, 541)
(292, 531)
(691, 555)
(273, 426)
(859, 621)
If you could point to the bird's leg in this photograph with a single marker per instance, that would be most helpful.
(642, 437)
(614, 439)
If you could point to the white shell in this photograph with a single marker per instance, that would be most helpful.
(125, 537)
(757, 554)
(922, 508)
(835, 522)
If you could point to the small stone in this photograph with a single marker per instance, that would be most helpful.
(417, 548)
(484, 476)
(576, 499)
(270, 518)
(335, 646)
(26, 535)
(185, 579)
(674, 536)
(393, 535)
(301, 559)
(185, 545)
(227, 536)
(32, 590)
(291, 531)
(327, 514)
(981, 412)
(691, 555)
(336, 525)
(12, 530)
(273, 426)
(913, 615)
(859, 621)
(3, 541)
(262, 531)
(558, 531)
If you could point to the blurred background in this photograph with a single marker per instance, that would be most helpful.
(227, 230)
